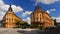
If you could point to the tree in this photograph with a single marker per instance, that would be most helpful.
(34, 26)
(41, 27)
(0, 23)
(55, 22)
(17, 23)
(25, 25)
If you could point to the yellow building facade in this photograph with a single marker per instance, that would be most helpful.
(41, 18)
(10, 19)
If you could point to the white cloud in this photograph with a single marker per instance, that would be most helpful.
(4, 7)
(45, 1)
(1, 14)
(54, 18)
(28, 20)
(17, 8)
(58, 19)
(26, 13)
(50, 10)
(1, 2)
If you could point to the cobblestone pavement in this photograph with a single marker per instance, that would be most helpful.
(17, 31)
(24, 31)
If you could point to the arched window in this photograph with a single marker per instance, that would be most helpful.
(36, 16)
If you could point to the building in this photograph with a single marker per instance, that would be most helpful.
(40, 18)
(10, 19)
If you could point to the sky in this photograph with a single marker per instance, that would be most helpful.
(23, 8)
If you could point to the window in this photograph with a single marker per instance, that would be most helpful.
(36, 18)
(40, 17)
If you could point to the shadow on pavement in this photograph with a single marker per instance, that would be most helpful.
(38, 32)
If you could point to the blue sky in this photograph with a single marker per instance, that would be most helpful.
(28, 6)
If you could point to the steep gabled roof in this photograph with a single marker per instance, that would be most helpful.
(10, 10)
